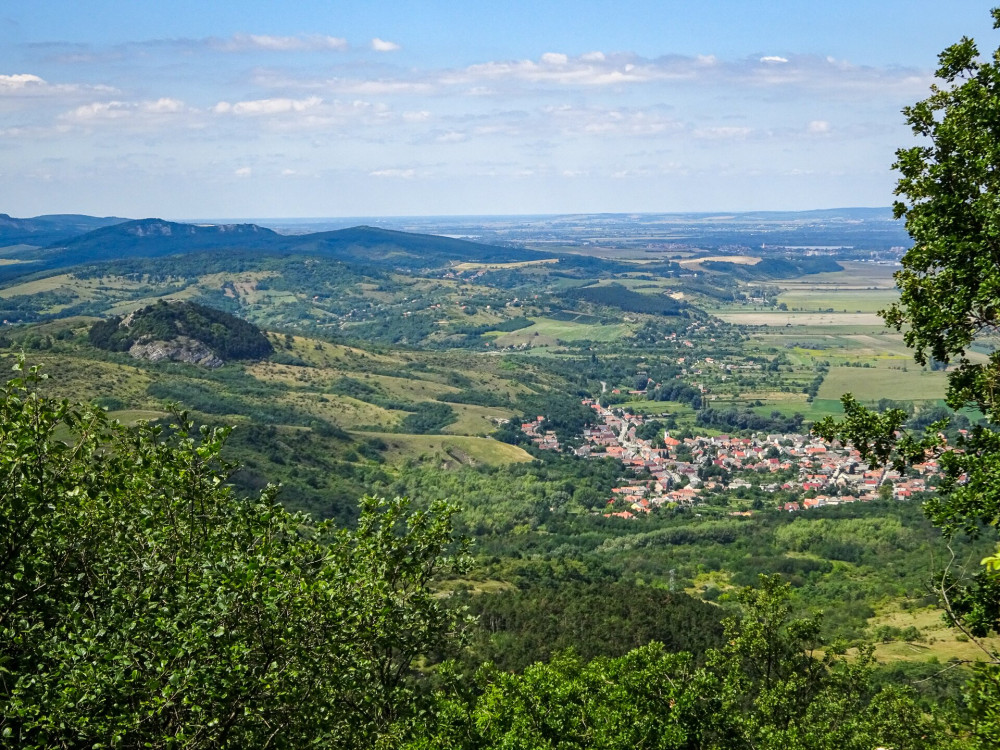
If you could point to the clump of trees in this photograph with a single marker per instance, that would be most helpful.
(742, 419)
(616, 295)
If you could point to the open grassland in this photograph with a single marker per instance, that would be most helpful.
(62, 282)
(500, 266)
(476, 420)
(134, 416)
(839, 300)
(344, 411)
(415, 388)
(652, 409)
(937, 641)
(83, 380)
(449, 450)
(803, 347)
(546, 331)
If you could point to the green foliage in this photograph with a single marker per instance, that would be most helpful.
(950, 284)
(518, 628)
(431, 417)
(734, 419)
(767, 688)
(144, 604)
(563, 412)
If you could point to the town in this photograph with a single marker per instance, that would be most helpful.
(686, 471)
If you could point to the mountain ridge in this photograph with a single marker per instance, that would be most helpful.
(47, 229)
(363, 245)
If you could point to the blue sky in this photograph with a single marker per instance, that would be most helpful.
(268, 109)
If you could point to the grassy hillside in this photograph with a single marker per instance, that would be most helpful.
(324, 419)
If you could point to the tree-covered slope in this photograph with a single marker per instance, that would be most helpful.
(153, 238)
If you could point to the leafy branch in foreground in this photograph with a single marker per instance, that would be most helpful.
(143, 604)
(949, 190)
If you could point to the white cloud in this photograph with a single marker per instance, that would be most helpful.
(371, 86)
(19, 81)
(556, 58)
(725, 132)
(100, 111)
(28, 84)
(267, 106)
(380, 88)
(499, 78)
(818, 126)
(264, 42)
(403, 174)
(163, 106)
(106, 111)
(381, 45)
(243, 172)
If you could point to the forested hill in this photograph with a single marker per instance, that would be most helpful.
(374, 246)
(155, 237)
(225, 335)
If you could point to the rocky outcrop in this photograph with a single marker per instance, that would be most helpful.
(181, 349)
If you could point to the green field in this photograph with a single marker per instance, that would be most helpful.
(911, 384)
(856, 275)
(841, 301)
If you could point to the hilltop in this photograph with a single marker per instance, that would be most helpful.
(181, 331)
(150, 238)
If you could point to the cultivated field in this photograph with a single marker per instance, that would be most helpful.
(797, 319)
(910, 384)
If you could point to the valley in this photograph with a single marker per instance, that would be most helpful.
(601, 420)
